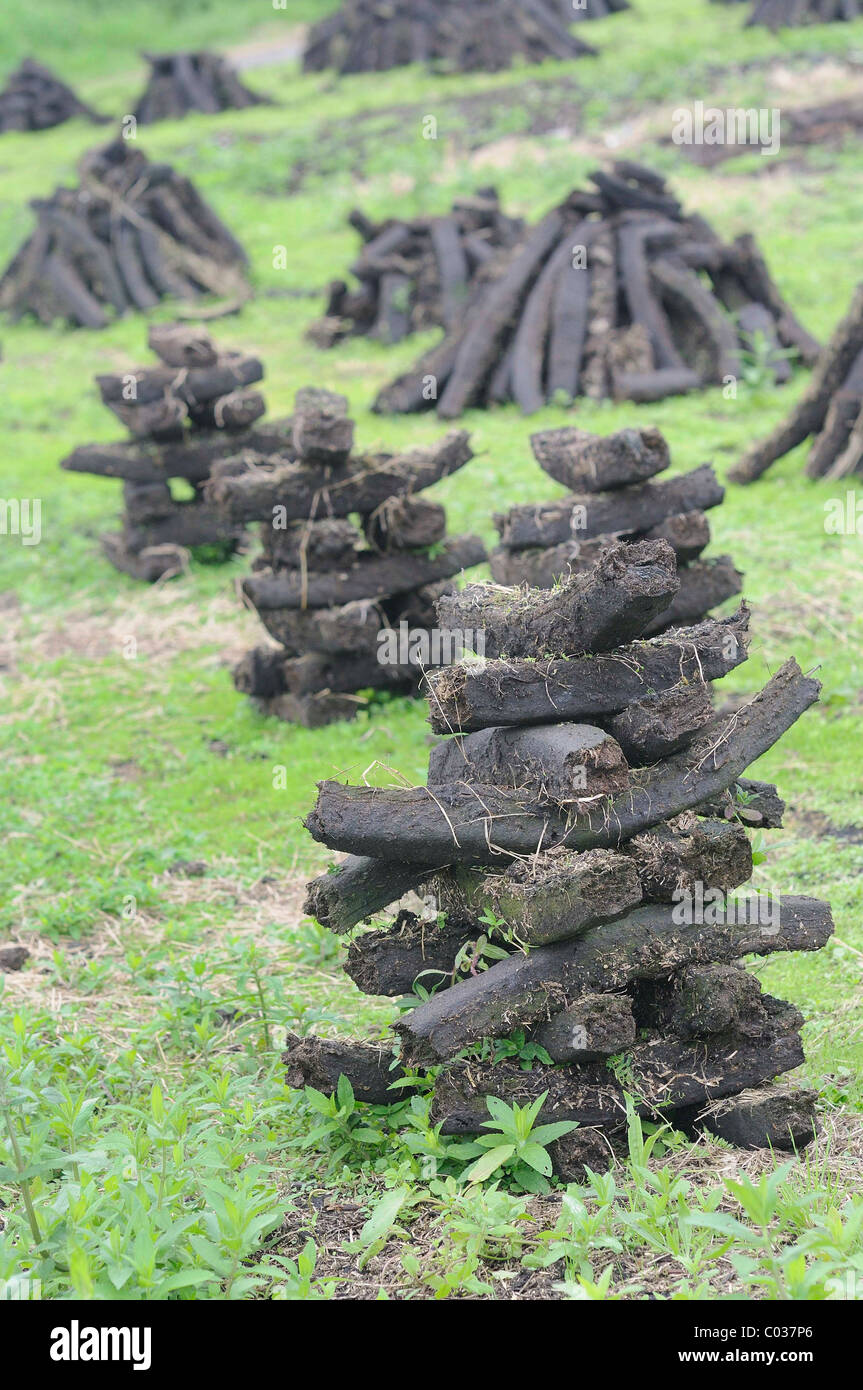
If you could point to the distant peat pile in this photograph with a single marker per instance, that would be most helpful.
(585, 818)
(457, 35)
(34, 98)
(129, 235)
(348, 607)
(828, 123)
(788, 14)
(617, 293)
(414, 274)
(180, 83)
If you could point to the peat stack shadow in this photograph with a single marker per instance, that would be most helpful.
(183, 82)
(616, 293)
(617, 493)
(348, 604)
(131, 234)
(580, 839)
(416, 274)
(195, 408)
(34, 98)
(830, 412)
(456, 35)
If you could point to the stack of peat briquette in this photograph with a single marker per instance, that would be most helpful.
(613, 496)
(184, 82)
(34, 98)
(132, 233)
(327, 590)
(830, 412)
(785, 14)
(183, 415)
(415, 274)
(615, 293)
(458, 35)
(585, 812)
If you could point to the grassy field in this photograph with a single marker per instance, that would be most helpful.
(149, 1147)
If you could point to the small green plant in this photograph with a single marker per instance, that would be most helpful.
(620, 1065)
(17, 1172)
(344, 1128)
(449, 1277)
(758, 1247)
(759, 849)
(578, 1234)
(482, 1222)
(297, 1281)
(380, 1225)
(476, 956)
(492, 920)
(517, 1147)
(516, 1048)
(759, 357)
(432, 1154)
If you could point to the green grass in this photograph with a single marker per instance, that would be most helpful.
(115, 768)
(92, 39)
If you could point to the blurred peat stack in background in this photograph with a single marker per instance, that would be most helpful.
(34, 98)
(129, 235)
(184, 82)
(617, 293)
(348, 604)
(454, 35)
(416, 273)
